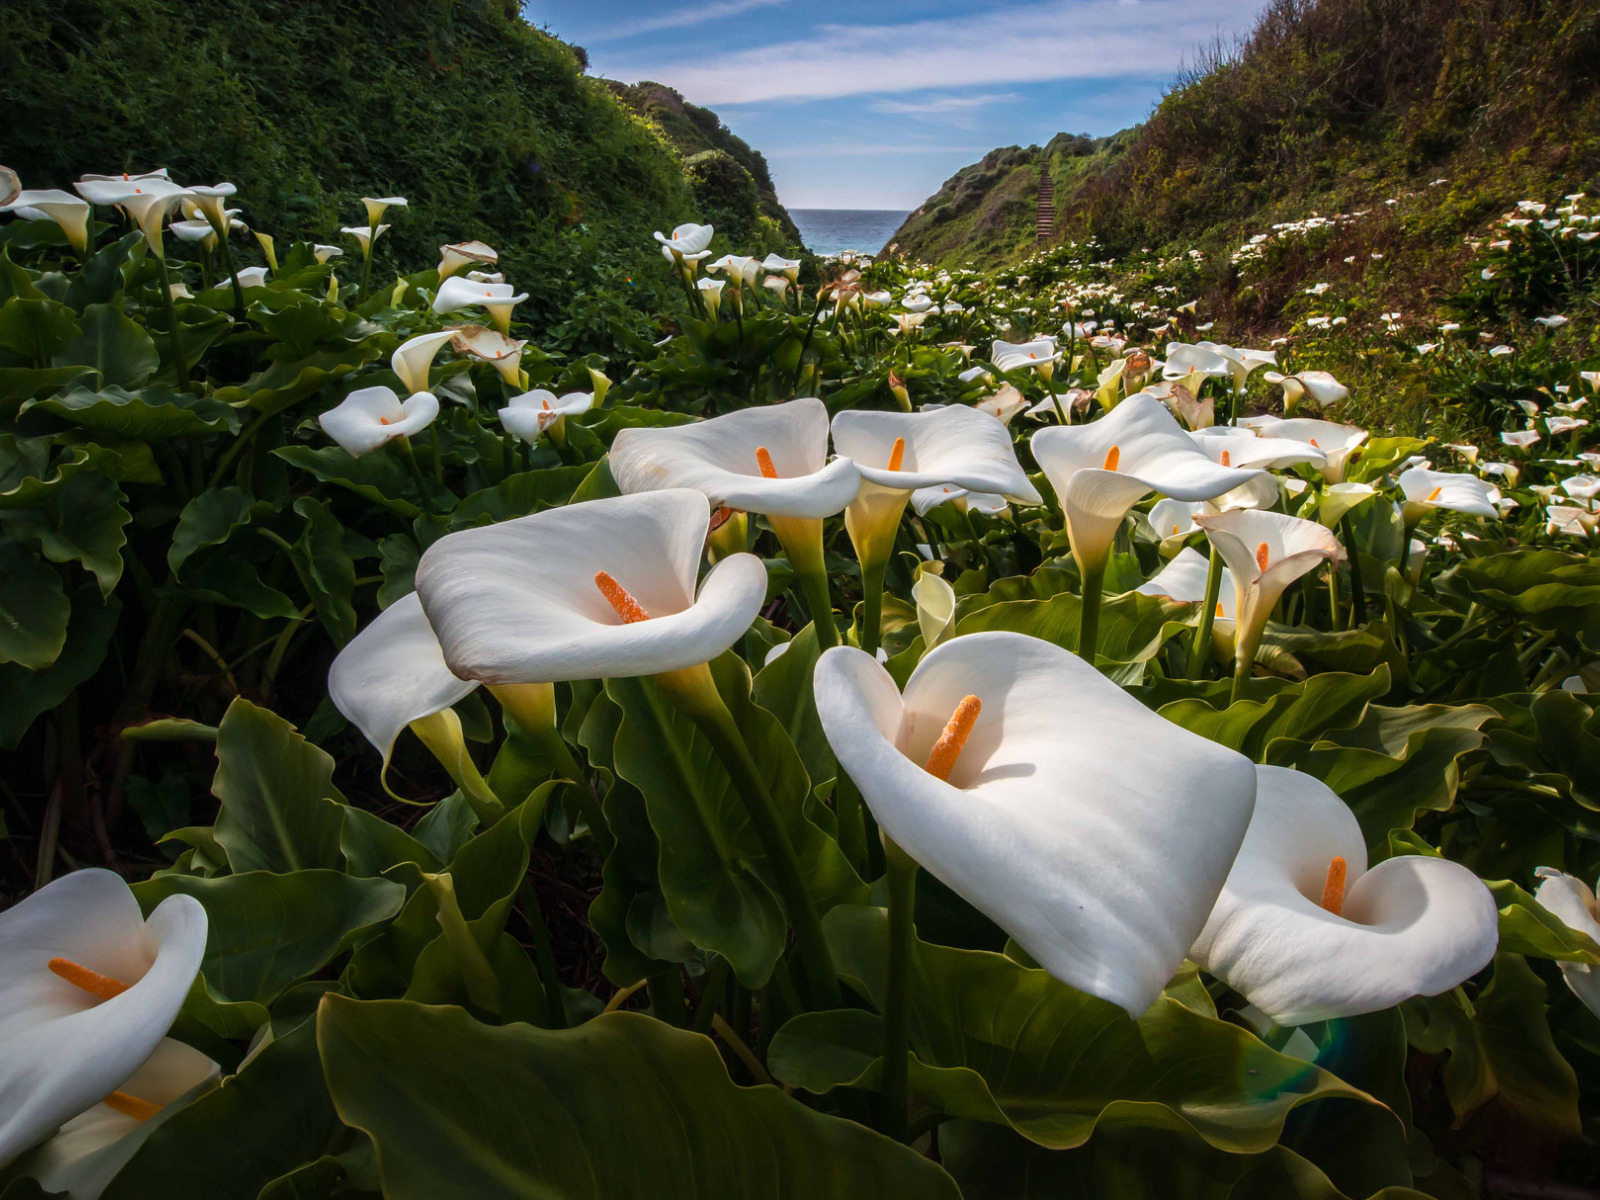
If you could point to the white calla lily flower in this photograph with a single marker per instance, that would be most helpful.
(498, 299)
(248, 277)
(459, 255)
(936, 606)
(377, 205)
(1340, 498)
(1040, 354)
(711, 294)
(369, 417)
(413, 358)
(1095, 833)
(1424, 490)
(1339, 443)
(149, 202)
(322, 253)
(88, 989)
(772, 461)
(1307, 933)
(688, 238)
(1575, 904)
(69, 212)
(1233, 447)
(493, 347)
(594, 590)
(538, 411)
(1004, 404)
(789, 268)
(1101, 470)
(88, 1151)
(365, 236)
(1265, 552)
(1184, 360)
(1319, 385)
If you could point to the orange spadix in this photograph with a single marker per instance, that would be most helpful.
(629, 609)
(942, 759)
(1113, 457)
(764, 461)
(1227, 459)
(1262, 555)
(897, 454)
(92, 982)
(1333, 886)
(1433, 495)
(131, 1106)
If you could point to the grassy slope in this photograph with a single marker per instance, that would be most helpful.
(1331, 105)
(488, 125)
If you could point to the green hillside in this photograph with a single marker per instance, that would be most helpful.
(488, 125)
(1329, 106)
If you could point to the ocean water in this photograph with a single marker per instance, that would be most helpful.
(830, 230)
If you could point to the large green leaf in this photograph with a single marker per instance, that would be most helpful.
(523, 493)
(713, 868)
(380, 477)
(270, 931)
(783, 688)
(24, 694)
(288, 381)
(321, 558)
(1501, 1050)
(272, 784)
(34, 609)
(152, 413)
(36, 330)
(113, 345)
(1525, 581)
(210, 520)
(270, 1118)
(1528, 928)
(621, 1106)
(81, 521)
(996, 1041)
(1133, 627)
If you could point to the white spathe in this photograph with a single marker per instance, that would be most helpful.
(1266, 552)
(936, 606)
(719, 458)
(518, 602)
(955, 445)
(1410, 926)
(1233, 447)
(88, 1151)
(414, 357)
(62, 1049)
(393, 673)
(376, 206)
(498, 299)
(369, 417)
(1575, 904)
(1094, 832)
(1338, 442)
(69, 212)
(1424, 489)
(688, 238)
(531, 413)
(1101, 470)
(458, 255)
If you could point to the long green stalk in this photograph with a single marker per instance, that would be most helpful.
(180, 361)
(1200, 648)
(902, 880)
(872, 605)
(1358, 591)
(1089, 621)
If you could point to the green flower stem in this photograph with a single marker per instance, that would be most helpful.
(1200, 648)
(1245, 645)
(180, 361)
(1089, 626)
(366, 261)
(483, 985)
(544, 953)
(696, 696)
(555, 748)
(872, 605)
(847, 809)
(1358, 591)
(902, 880)
(1333, 600)
(233, 275)
(802, 546)
(1049, 382)
(819, 602)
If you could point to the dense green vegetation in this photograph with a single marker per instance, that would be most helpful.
(486, 124)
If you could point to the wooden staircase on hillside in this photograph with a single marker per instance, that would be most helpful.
(1046, 219)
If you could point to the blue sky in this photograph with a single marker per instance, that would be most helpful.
(875, 105)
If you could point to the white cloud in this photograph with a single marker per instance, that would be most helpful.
(682, 18)
(1027, 43)
(941, 104)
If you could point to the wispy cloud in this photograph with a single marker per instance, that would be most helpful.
(681, 18)
(935, 105)
(1025, 43)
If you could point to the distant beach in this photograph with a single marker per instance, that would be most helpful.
(831, 230)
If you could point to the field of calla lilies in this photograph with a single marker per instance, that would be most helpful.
(861, 730)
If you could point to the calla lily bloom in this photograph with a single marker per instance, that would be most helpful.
(1003, 405)
(376, 206)
(1094, 832)
(369, 417)
(248, 277)
(739, 269)
(88, 989)
(778, 265)
(149, 202)
(532, 413)
(413, 358)
(936, 606)
(322, 253)
(457, 255)
(1266, 552)
(1307, 933)
(1340, 498)
(66, 210)
(908, 322)
(1102, 469)
(772, 461)
(1234, 447)
(541, 599)
(1040, 354)
(457, 293)
(88, 1151)
(365, 236)
(1203, 359)
(1424, 490)
(1574, 902)
(688, 238)
(493, 347)
(212, 204)
(1339, 443)
(711, 293)
(925, 500)
(1319, 385)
